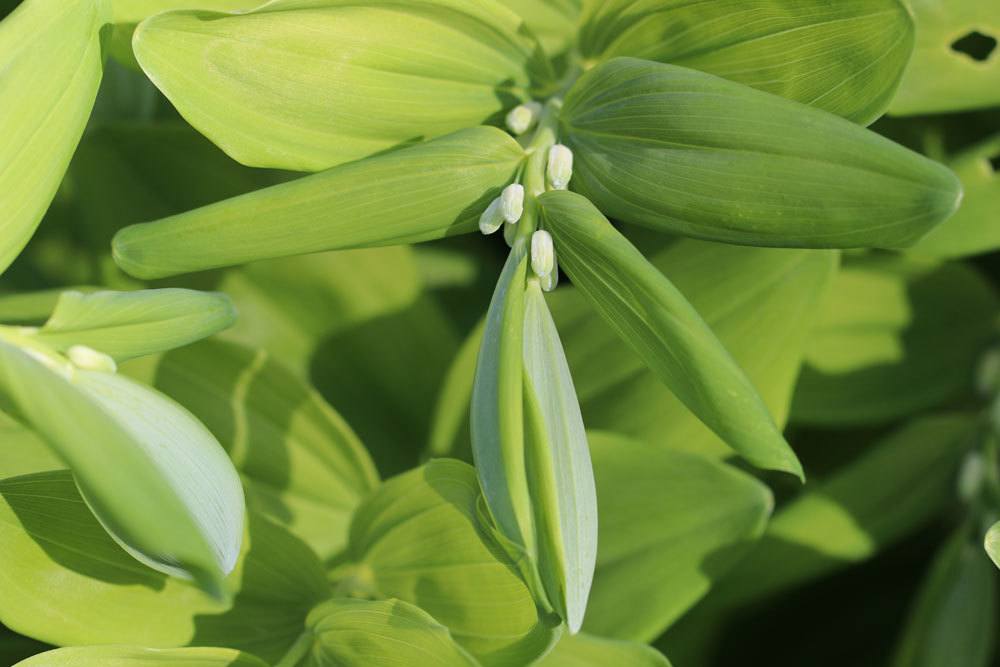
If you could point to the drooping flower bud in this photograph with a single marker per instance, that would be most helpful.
(512, 202)
(560, 167)
(492, 218)
(523, 117)
(87, 358)
(509, 233)
(543, 253)
(549, 282)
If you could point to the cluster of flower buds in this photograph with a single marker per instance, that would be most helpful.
(507, 208)
(543, 260)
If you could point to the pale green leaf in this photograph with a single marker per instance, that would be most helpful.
(50, 69)
(940, 77)
(301, 464)
(689, 153)
(992, 543)
(419, 193)
(32, 307)
(309, 84)
(975, 228)
(893, 337)
(672, 523)
(417, 539)
(554, 22)
(560, 476)
(363, 633)
(845, 57)
(954, 617)
(155, 476)
(585, 650)
(663, 329)
(126, 656)
(133, 11)
(23, 451)
(66, 582)
(132, 324)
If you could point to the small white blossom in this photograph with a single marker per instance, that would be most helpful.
(492, 218)
(523, 117)
(560, 167)
(512, 202)
(89, 359)
(543, 253)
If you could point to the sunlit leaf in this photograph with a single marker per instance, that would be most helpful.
(23, 451)
(945, 75)
(845, 57)
(689, 153)
(672, 523)
(50, 69)
(663, 329)
(552, 21)
(416, 194)
(992, 543)
(52, 542)
(954, 617)
(309, 84)
(155, 477)
(124, 656)
(585, 650)
(894, 336)
(359, 633)
(131, 324)
(417, 539)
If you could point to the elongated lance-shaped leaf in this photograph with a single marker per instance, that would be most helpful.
(497, 412)
(667, 333)
(131, 324)
(153, 475)
(846, 57)
(689, 153)
(50, 69)
(992, 543)
(130, 656)
(308, 84)
(560, 476)
(419, 193)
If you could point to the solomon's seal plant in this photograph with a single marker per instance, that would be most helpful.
(732, 247)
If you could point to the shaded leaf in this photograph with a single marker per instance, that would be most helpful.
(893, 337)
(552, 21)
(123, 656)
(132, 324)
(330, 82)
(417, 539)
(846, 57)
(415, 194)
(992, 543)
(23, 451)
(50, 69)
(663, 329)
(689, 153)
(585, 650)
(52, 543)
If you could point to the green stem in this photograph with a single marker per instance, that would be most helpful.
(298, 651)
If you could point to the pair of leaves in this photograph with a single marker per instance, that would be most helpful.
(333, 82)
(530, 447)
(845, 57)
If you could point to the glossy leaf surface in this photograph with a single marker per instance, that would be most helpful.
(689, 153)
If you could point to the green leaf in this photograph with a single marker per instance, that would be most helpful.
(50, 69)
(32, 307)
(672, 523)
(940, 77)
(15, 647)
(688, 153)
(954, 618)
(894, 336)
(846, 57)
(663, 329)
(362, 633)
(554, 22)
(333, 82)
(66, 582)
(417, 539)
(415, 194)
(301, 464)
(992, 543)
(974, 229)
(133, 11)
(23, 451)
(155, 477)
(560, 476)
(897, 486)
(124, 325)
(760, 302)
(126, 656)
(585, 650)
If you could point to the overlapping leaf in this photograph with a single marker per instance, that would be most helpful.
(690, 153)
(845, 57)
(552, 21)
(585, 650)
(416, 194)
(124, 656)
(663, 329)
(308, 84)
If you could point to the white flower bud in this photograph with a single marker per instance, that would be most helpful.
(89, 359)
(549, 282)
(560, 167)
(509, 232)
(522, 118)
(543, 253)
(492, 218)
(512, 202)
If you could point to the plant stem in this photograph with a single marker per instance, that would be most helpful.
(298, 650)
